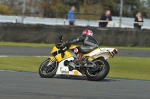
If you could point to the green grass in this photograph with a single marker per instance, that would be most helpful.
(14, 44)
(26, 64)
(130, 68)
(121, 67)
(129, 48)
(50, 45)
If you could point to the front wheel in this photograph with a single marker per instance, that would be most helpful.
(99, 72)
(48, 69)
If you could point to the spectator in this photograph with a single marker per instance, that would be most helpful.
(105, 17)
(138, 21)
(71, 16)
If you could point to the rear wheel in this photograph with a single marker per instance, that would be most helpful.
(48, 69)
(99, 72)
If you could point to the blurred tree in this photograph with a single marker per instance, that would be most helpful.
(111, 5)
(145, 8)
(53, 8)
(16, 5)
(95, 1)
(72, 2)
(86, 9)
(90, 10)
(93, 8)
(75, 3)
(148, 2)
(130, 7)
(92, 1)
(4, 9)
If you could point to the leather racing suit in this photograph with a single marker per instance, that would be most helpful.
(89, 43)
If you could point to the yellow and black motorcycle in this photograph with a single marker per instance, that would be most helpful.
(64, 61)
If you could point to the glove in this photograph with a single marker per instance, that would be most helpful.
(63, 45)
(60, 45)
(66, 43)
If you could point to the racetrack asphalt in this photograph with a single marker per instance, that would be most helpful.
(24, 85)
(30, 51)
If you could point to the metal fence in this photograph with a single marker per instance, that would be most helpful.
(126, 22)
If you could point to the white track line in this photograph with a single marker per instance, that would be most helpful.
(7, 71)
(3, 56)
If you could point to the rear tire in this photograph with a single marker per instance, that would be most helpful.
(47, 71)
(99, 72)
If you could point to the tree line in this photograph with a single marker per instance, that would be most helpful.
(85, 9)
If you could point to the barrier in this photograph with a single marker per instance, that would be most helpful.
(126, 22)
(50, 34)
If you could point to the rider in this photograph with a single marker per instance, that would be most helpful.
(89, 43)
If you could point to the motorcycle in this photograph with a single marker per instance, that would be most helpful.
(65, 62)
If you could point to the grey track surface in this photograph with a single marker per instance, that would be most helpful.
(29, 51)
(22, 85)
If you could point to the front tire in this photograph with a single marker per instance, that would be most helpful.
(99, 72)
(48, 71)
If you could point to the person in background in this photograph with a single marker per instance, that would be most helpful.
(105, 17)
(138, 21)
(71, 16)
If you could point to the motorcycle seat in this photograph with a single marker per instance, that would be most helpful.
(87, 49)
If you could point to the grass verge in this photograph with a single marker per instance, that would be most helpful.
(14, 44)
(50, 45)
(25, 64)
(130, 68)
(121, 67)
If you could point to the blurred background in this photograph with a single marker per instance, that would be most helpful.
(88, 12)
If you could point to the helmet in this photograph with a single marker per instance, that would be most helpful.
(87, 32)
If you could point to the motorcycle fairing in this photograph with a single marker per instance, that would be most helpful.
(100, 52)
(64, 70)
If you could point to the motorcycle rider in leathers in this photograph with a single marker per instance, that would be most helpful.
(89, 43)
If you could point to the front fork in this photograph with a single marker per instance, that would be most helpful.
(52, 59)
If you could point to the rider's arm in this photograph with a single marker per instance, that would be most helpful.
(76, 40)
